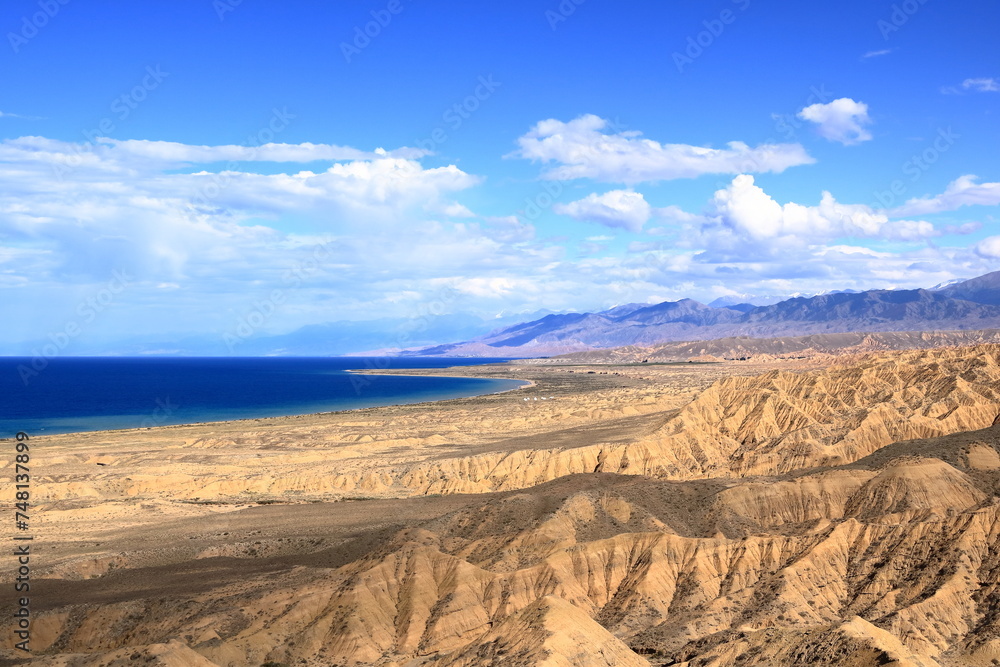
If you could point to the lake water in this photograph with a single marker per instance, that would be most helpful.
(97, 393)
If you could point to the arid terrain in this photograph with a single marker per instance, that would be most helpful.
(815, 347)
(833, 509)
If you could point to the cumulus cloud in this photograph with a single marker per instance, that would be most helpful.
(747, 241)
(626, 209)
(124, 204)
(963, 191)
(587, 147)
(842, 120)
(989, 247)
(363, 182)
(744, 207)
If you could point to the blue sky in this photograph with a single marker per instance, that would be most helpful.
(169, 169)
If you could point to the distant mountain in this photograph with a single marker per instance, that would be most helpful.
(968, 305)
(875, 307)
(745, 300)
(947, 283)
(984, 289)
(685, 311)
(622, 311)
(741, 307)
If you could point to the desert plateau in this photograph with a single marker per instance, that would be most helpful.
(816, 510)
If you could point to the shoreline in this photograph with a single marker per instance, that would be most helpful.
(519, 370)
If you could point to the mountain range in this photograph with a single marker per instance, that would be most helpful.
(953, 306)
(967, 305)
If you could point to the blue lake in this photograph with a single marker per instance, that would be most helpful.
(77, 394)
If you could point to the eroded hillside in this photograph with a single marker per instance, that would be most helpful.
(845, 515)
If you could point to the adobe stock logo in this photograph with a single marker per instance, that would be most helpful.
(915, 167)
(363, 36)
(88, 310)
(31, 25)
(698, 43)
(900, 16)
(565, 9)
(459, 112)
(122, 106)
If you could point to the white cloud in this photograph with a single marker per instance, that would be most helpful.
(120, 204)
(202, 262)
(963, 191)
(497, 287)
(452, 210)
(982, 85)
(989, 247)
(148, 156)
(975, 85)
(175, 153)
(854, 250)
(583, 149)
(224, 241)
(745, 211)
(875, 54)
(510, 229)
(626, 209)
(675, 214)
(842, 120)
(82, 175)
(4, 114)
(962, 229)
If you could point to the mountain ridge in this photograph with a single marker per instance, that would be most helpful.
(969, 305)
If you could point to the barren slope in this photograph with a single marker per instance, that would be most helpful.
(840, 516)
(743, 347)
